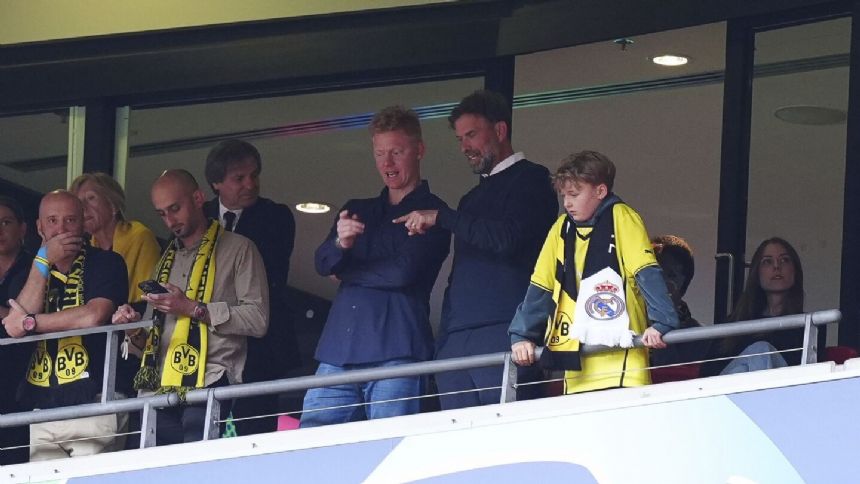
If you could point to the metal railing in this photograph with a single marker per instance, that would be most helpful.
(212, 397)
(111, 347)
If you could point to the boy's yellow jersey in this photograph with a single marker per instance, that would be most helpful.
(634, 252)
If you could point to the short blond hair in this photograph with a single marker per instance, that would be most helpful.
(396, 118)
(585, 167)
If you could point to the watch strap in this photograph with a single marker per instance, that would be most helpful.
(200, 311)
(32, 328)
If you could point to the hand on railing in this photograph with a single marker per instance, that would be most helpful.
(14, 321)
(125, 314)
(653, 339)
(523, 353)
(135, 339)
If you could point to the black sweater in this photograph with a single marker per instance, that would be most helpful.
(499, 228)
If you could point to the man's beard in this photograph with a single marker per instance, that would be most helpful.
(485, 166)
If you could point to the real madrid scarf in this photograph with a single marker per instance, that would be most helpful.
(184, 364)
(560, 337)
(57, 363)
(600, 317)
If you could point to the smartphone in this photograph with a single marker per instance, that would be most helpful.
(152, 287)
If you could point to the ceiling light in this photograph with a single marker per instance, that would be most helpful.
(624, 42)
(312, 207)
(811, 115)
(670, 60)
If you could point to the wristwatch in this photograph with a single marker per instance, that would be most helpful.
(29, 324)
(200, 311)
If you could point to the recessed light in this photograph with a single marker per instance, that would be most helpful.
(312, 207)
(670, 60)
(624, 42)
(811, 115)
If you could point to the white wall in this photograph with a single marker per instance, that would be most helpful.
(797, 179)
(797, 171)
(667, 162)
(665, 144)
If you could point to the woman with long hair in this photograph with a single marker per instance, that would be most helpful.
(774, 287)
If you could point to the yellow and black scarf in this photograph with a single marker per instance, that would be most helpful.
(72, 358)
(184, 365)
(563, 349)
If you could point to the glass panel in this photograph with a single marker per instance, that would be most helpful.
(315, 147)
(33, 150)
(663, 135)
(797, 149)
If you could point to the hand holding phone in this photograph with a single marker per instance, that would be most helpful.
(152, 287)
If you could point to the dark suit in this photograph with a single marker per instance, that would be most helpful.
(273, 229)
(13, 364)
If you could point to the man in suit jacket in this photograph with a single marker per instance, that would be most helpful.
(233, 171)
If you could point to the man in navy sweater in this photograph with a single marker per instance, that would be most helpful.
(499, 228)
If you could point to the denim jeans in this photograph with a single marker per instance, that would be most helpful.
(318, 399)
(743, 363)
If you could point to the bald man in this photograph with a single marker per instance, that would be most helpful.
(70, 286)
(215, 296)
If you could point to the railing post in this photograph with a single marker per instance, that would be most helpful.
(109, 374)
(509, 381)
(810, 342)
(212, 428)
(148, 424)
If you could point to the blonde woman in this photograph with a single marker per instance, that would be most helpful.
(105, 221)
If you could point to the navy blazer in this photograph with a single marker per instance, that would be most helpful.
(272, 227)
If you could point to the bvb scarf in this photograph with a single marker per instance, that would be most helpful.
(72, 358)
(563, 336)
(184, 365)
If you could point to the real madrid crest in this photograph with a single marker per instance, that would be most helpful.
(605, 304)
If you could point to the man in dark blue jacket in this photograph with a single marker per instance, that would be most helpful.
(380, 315)
(499, 228)
(233, 171)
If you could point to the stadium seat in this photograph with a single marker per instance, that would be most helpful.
(675, 373)
(839, 354)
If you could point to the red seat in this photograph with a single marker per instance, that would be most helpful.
(675, 373)
(554, 388)
(839, 354)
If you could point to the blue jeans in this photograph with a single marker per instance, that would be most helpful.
(315, 411)
(743, 363)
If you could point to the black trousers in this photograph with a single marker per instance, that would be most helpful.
(177, 425)
(14, 437)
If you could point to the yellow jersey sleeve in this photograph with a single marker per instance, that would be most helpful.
(632, 241)
(544, 273)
